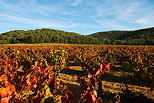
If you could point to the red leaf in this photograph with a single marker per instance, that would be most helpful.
(3, 77)
(89, 97)
(5, 100)
(69, 97)
(34, 79)
(29, 87)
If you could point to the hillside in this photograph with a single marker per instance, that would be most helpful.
(137, 37)
(45, 36)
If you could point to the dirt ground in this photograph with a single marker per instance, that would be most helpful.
(111, 87)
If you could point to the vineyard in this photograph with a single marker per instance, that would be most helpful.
(76, 74)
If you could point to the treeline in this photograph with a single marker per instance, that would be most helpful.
(45, 36)
(137, 37)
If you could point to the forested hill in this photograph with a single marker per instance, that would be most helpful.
(137, 37)
(45, 36)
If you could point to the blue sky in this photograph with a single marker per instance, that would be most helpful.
(80, 16)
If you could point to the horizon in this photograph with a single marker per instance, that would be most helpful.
(79, 16)
(79, 33)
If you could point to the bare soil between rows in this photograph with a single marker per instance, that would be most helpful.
(113, 90)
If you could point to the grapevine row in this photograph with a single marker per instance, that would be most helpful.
(29, 73)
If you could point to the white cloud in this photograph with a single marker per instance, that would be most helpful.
(35, 23)
(18, 19)
(111, 24)
(146, 20)
(142, 21)
(76, 2)
(121, 14)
